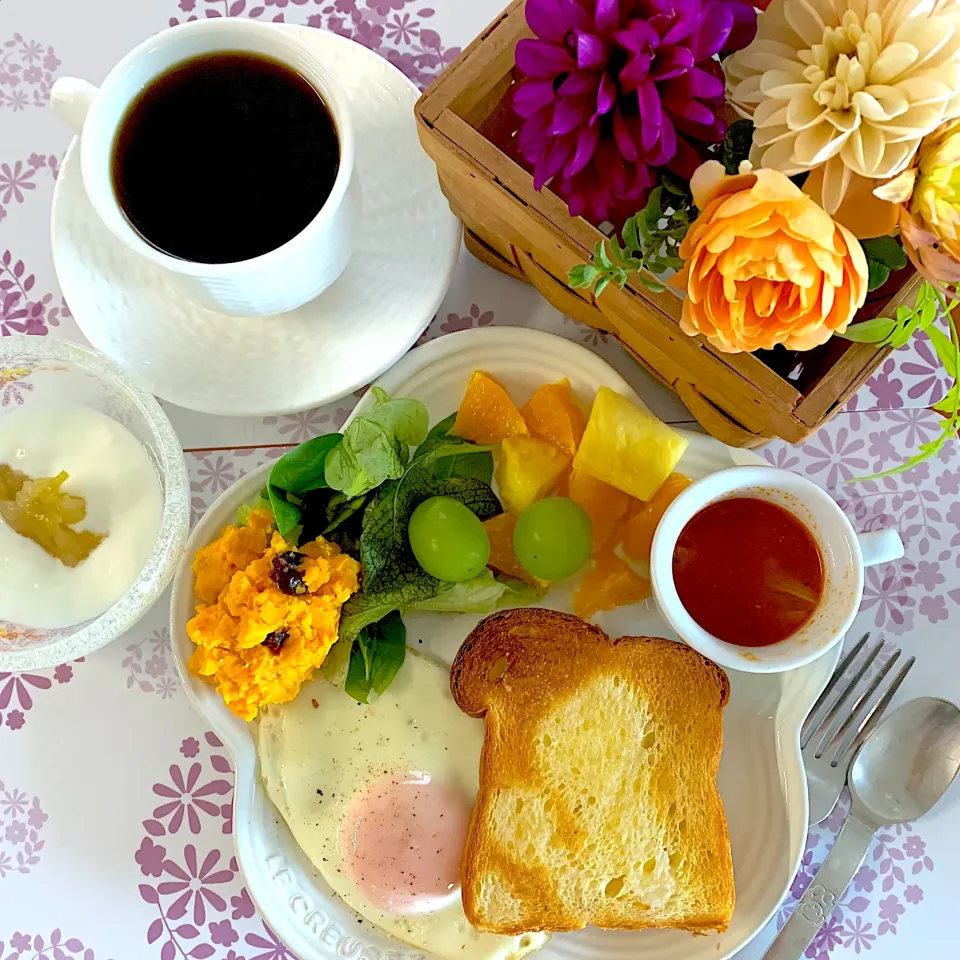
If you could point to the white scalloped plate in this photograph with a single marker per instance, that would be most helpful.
(761, 773)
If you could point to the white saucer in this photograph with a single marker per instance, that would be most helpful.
(761, 777)
(402, 264)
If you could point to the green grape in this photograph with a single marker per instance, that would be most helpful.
(553, 538)
(448, 539)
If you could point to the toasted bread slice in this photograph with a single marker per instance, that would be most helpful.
(598, 800)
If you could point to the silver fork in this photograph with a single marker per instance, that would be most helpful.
(833, 731)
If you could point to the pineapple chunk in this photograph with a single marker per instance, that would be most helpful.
(528, 470)
(627, 447)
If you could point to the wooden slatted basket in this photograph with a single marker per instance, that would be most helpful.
(467, 126)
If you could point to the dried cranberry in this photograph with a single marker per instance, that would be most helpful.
(286, 573)
(275, 641)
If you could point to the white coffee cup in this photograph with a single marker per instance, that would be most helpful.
(844, 553)
(275, 282)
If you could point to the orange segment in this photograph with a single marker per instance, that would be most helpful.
(611, 583)
(487, 414)
(605, 505)
(502, 558)
(528, 470)
(643, 518)
(552, 415)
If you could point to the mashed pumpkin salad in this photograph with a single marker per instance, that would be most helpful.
(270, 612)
(355, 529)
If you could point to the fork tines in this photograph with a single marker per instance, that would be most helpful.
(831, 722)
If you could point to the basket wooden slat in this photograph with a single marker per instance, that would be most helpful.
(529, 235)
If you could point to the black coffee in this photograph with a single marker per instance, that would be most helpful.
(224, 157)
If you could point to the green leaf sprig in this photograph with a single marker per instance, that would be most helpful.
(650, 244)
(884, 254)
(895, 332)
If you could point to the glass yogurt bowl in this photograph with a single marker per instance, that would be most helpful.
(40, 373)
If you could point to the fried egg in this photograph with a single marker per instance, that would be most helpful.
(379, 797)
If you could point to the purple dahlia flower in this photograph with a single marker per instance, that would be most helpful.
(613, 88)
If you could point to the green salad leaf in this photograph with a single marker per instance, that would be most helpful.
(376, 445)
(392, 578)
(298, 472)
(358, 612)
(476, 463)
(390, 571)
(377, 654)
(485, 593)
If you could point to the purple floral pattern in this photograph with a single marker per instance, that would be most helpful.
(27, 71)
(474, 318)
(385, 26)
(150, 666)
(21, 824)
(191, 880)
(297, 427)
(21, 311)
(18, 179)
(32, 946)
(589, 336)
(19, 690)
(212, 472)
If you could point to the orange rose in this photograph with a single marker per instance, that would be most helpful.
(765, 264)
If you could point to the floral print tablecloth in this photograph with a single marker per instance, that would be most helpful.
(115, 800)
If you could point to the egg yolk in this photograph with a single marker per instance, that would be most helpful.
(402, 839)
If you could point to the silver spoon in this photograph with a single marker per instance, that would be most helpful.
(903, 768)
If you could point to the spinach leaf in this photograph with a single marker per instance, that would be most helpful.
(302, 469)
(298, 472)
(377, 654)
(375, 446)
(476, 463)
(485, 593)
(286, 514)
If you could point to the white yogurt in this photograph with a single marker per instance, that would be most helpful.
(112, 471)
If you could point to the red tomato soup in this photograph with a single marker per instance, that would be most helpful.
(748, 571)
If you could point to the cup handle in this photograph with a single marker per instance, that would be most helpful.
(881, 546)
(71, 99)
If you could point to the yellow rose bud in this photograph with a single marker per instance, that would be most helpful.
(929, 195)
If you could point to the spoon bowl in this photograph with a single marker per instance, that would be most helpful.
(908, 764)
